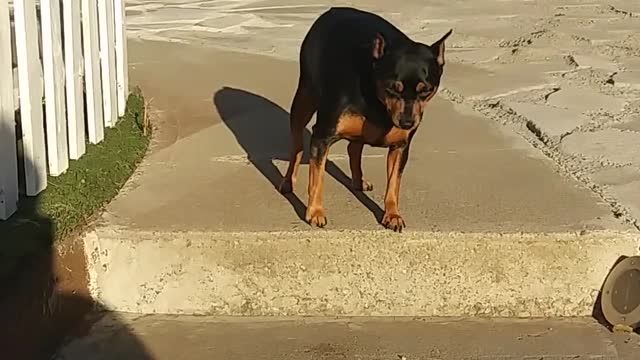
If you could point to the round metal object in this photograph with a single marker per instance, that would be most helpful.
(620, 296)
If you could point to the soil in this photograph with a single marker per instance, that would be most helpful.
(45, 303)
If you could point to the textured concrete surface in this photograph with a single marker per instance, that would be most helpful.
(577, 57)
(354, 273)
(223, 145)
(519, 195)
(553, 121)
(157, 337)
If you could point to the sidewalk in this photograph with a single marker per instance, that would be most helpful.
(494, 228)
(504, 195)
(224, 141)
(168, 338)
(520, 194)
(563, 74)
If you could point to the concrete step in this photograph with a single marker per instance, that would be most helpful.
(158, 337)
(494, 228)
(354, 273)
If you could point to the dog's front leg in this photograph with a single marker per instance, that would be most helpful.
(318, 158)
(396, 160)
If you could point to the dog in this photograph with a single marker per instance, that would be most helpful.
(369, 84)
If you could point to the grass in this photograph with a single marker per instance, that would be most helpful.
(71, 199)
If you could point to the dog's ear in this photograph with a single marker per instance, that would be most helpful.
(378, 46)
(438, 48)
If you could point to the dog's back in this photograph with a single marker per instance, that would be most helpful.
(338, 46)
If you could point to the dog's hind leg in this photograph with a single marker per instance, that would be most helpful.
(302, 109)
(354, 149)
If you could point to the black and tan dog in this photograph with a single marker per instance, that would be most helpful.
(369, 84)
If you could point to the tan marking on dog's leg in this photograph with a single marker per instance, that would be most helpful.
(315, 211)
(392, 219)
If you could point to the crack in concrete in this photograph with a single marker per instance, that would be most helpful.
(567, 165)
(624, 13)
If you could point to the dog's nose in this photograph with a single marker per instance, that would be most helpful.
(406, 124)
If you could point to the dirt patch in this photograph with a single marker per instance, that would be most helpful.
(45, 303)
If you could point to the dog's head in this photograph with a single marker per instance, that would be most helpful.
(407, 77)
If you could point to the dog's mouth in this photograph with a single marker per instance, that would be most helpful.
(407, 126)
(405, 122)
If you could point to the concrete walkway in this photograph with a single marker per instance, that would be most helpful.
(500, 172)
(159, 337)
(522, 191)
(564, 73)
(224, 143)
(487, 209)
(522, 188)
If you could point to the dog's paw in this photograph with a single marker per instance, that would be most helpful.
(286, 186)
(364, 185)
(393, 221)
(316, 217)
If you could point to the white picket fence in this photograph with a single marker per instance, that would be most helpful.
(64, 73)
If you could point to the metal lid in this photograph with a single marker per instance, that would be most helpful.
(620, 298)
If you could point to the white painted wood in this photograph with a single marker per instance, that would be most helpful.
(122, 72)
(54, 83)
(30, 85)
(108, 61)
(8, 155)
(92, 79)
(16, 89)
(73, 70)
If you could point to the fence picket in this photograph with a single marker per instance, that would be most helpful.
(73, 70)
(70, 67)
(54, 84)
(108, 61)
(8, 155)
(92, 80)
(30, 85)
(121, 55)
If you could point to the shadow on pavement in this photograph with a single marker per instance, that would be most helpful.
(43, 286)
(261, 127)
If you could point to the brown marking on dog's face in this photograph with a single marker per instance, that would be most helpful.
(407, 78)
(404, 103)
(389, 95)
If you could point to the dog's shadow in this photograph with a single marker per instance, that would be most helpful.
(261, 127)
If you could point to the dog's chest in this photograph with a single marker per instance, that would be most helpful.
(355, 127)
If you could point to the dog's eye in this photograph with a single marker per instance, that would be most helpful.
(424, 90)
(395, 88)
(392, 91)
(424, 94)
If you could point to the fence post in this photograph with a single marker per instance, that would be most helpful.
(30, 85)
(93, 84)
(107, 57)
(121, 55)
(54, 83)
(8, 155)
(73, 65)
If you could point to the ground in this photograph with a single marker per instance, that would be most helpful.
(521, 192)
(565, 71)
(359, 338)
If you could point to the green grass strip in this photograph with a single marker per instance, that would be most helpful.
(72, 198)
